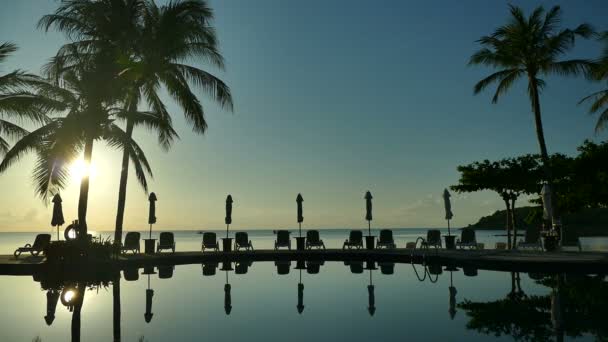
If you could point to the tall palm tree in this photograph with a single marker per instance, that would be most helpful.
(18, 101)
(530, 48)
(599, 100)
(170, 35)
(151, 51)
(63, 139)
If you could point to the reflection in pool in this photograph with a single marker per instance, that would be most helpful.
(304, 301)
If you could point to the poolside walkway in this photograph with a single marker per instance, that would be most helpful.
(498, 260)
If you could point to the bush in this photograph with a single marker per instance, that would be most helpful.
(80, 250)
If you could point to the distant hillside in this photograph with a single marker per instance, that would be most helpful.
(586, 222)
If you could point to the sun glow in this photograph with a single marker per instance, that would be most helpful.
(80, 169)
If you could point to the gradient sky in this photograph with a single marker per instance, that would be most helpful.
(332, 98)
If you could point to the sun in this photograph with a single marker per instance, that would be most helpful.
(80, 169)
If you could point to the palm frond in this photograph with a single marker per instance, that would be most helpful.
(117, 138)
(505, 83)
(210, 84)
(6, 49)
(29, 143)
(570, 67)
(155, 121)
(602, 120)
(495, 77)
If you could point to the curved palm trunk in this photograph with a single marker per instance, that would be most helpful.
(83, 200)
(540, 135)
(122, 188)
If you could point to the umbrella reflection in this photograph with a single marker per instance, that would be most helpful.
(227, 266)
(371, 308)
(149, 294)
(301, 265)
(452, 291)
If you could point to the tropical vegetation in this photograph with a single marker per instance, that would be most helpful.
(530, 48)
(149, 47)
(581, 182)
(599, 100)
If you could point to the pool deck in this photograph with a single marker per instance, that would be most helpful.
(497, 260)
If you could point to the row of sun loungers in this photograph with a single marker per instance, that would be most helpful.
(166, 241)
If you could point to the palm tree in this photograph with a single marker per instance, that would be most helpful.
(530, 48)
(63, 139)
(150, 51)
(17, 101)
(599, 100)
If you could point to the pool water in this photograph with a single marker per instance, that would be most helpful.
(323, 302)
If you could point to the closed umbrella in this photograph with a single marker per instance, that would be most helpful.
(227, 266)
(152, 213)
(368, 211)
(299, 201)
(228, 218)
(448, 208)
(57, 219)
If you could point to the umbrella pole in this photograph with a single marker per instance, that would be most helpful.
(227, 230)
(150, 231)
(300, 225)
(449, 233)
(369, 228)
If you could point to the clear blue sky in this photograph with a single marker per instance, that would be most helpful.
(332, 98)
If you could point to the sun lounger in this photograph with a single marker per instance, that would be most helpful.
(131, 243)
(166, 241)
(385, 240)
(314, 240)
(355, 240)
(283, 240)
(433, 239)
(467, 239)
(40, 244)
(241, 240)
(210, 241)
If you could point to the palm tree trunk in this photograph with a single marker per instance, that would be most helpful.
(540, 135)
(122, 187)
(84, 189)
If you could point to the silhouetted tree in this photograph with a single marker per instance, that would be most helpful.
(19, 101)
(509, 178)
(599, 100)
(150, 46)
(530, 48)
(60, 141)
